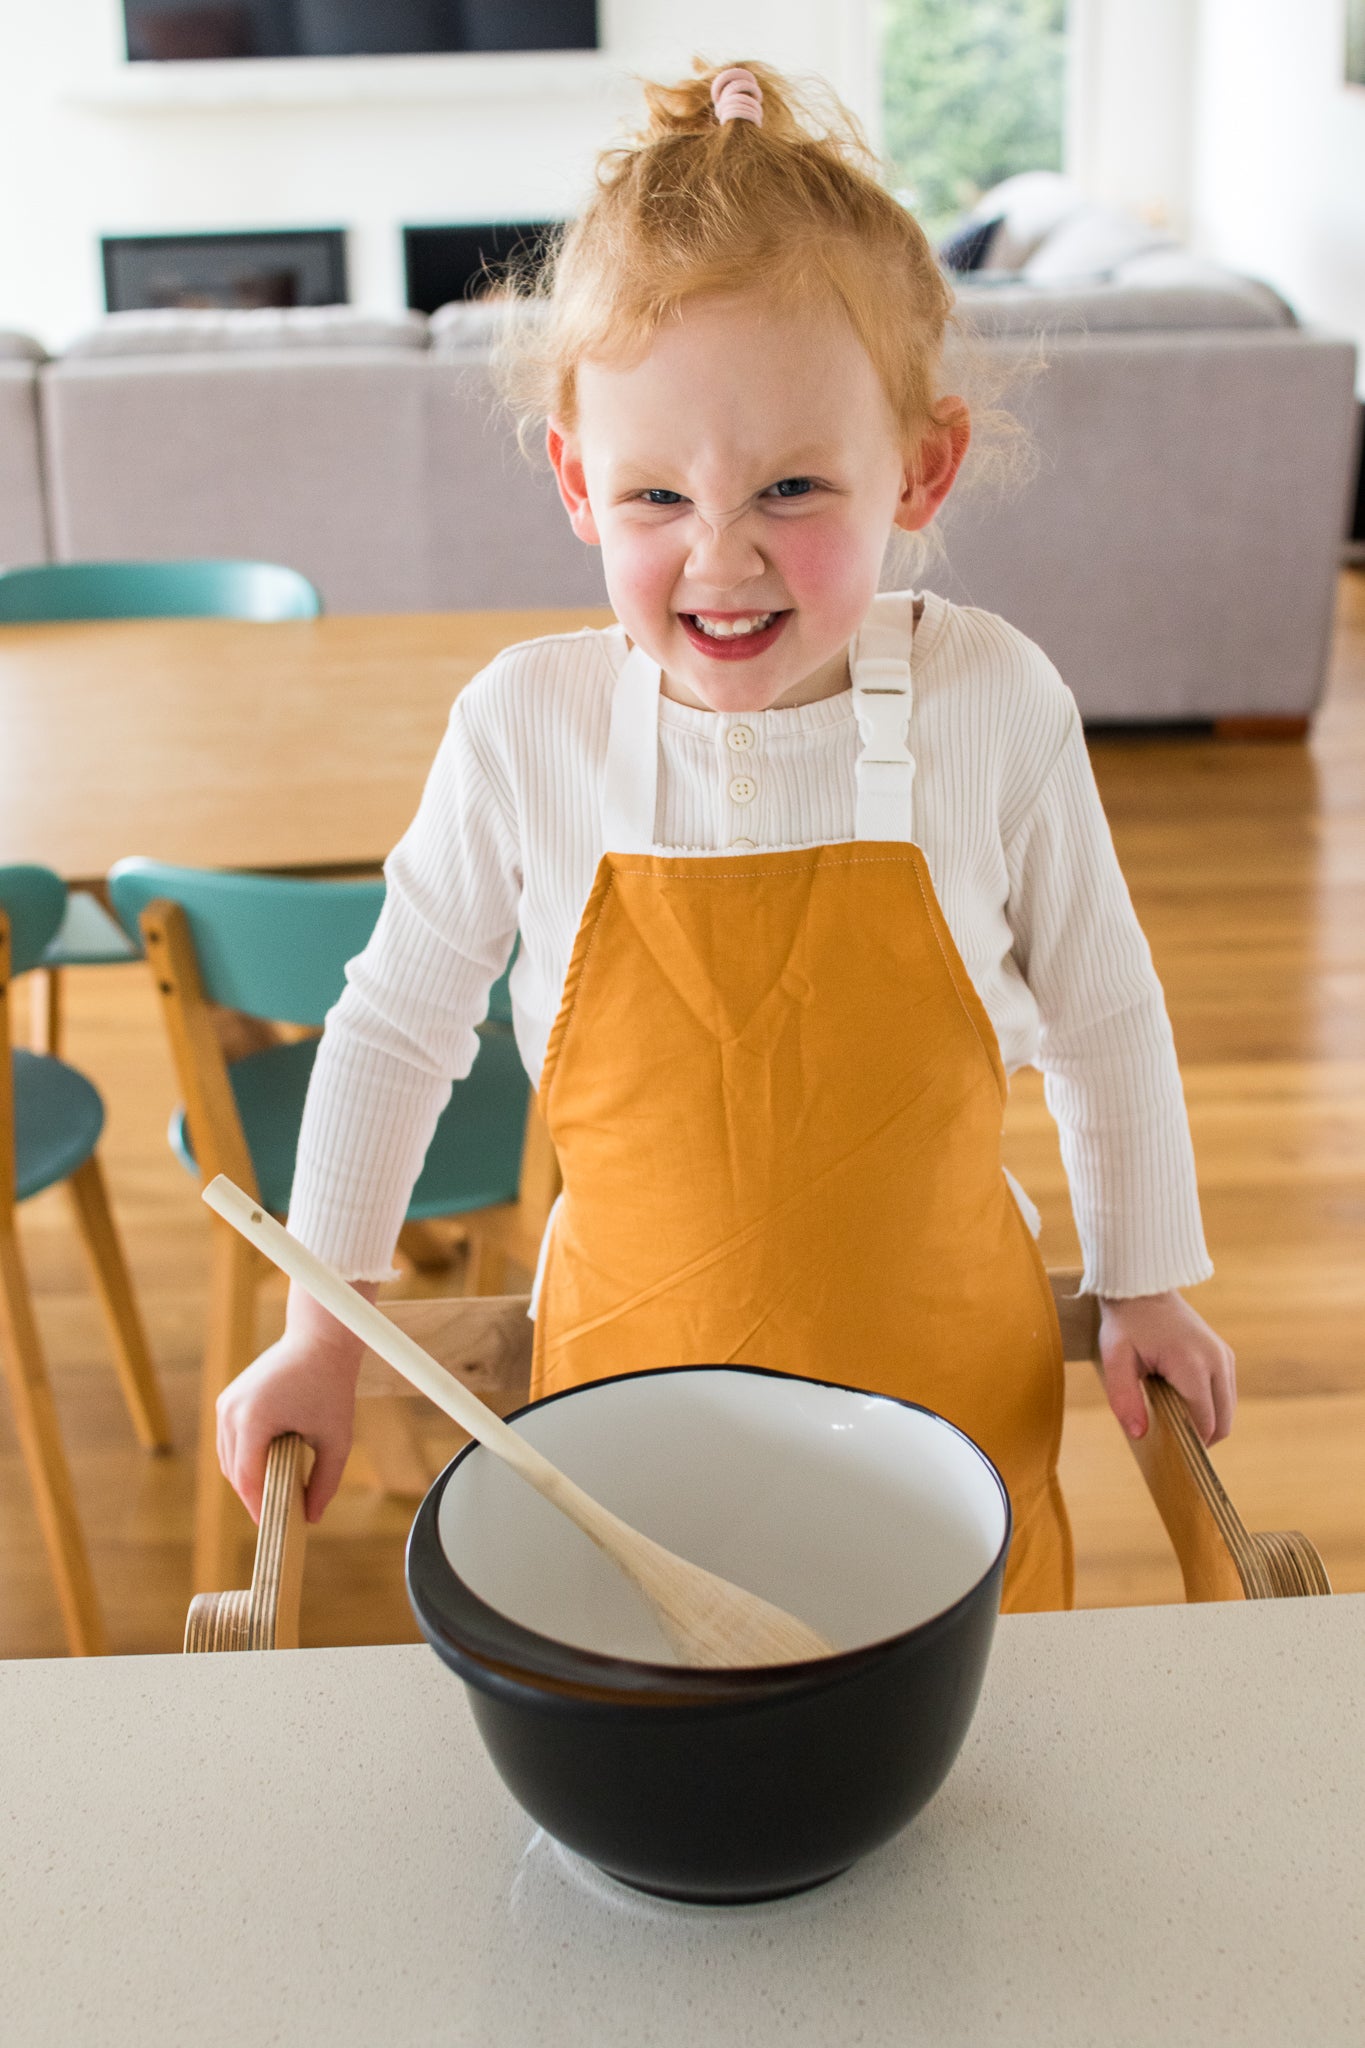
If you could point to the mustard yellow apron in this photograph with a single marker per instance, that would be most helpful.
(777, 1102)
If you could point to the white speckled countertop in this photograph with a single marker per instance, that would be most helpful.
(1155, 1834)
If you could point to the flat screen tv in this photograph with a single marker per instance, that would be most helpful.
(173, 31)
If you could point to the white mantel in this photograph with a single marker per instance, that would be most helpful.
(118, 87)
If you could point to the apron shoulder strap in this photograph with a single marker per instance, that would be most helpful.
(630, 786)
(879, 662)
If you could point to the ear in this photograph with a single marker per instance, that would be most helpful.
(567, 463)
(932, 471)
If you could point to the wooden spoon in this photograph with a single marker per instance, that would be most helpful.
(706, 1619)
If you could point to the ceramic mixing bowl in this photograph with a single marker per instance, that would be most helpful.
(876, 1521)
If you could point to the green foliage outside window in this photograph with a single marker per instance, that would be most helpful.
(973, 91)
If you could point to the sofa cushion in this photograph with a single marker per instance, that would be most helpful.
(499, 536)
(465, 328)
(197, 330)
(312, 457)
(1089, 242)
(20, 348)
(1224, 298)
(1029, 207)
(968, 247)
(1183, 295)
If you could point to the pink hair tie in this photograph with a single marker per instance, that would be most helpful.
(737, 96)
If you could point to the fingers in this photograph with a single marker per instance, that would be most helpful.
(1162, 1335)
(328, 1466)
(1123, 1385)
(1223, 1386)
(245, 1465)
(1207, 1382)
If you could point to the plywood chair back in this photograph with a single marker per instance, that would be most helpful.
(226, 948)
(264, 952)
(487, 1343)
(1219, 1558)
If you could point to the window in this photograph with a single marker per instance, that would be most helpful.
(973, 91)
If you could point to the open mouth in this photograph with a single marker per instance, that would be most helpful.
(733, 636)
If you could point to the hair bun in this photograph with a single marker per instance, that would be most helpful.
(737, 95)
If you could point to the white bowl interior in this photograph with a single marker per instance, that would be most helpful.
(863, 1517)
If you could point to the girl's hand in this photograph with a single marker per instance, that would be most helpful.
(305, 1383)
(1161, 1334)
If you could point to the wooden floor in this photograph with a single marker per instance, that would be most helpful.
(1247, 864)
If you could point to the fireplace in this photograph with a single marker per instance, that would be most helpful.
(273, 267)
(445, 263)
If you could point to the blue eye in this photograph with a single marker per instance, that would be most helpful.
(793, 487)
(662, 497)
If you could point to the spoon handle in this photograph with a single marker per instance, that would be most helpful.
(407, 1357)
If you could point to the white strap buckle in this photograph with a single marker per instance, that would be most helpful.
(881, 701)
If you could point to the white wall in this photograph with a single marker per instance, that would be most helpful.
(1279, 162)
(514, 137)
(1130, 105)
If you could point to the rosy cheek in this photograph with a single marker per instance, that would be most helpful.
(641, 568)
(821, 561)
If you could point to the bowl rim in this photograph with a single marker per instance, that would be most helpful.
(505, 1657)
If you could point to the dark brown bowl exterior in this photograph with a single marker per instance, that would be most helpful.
(714, 1787)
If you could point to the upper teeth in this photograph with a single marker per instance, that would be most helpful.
(726, 629)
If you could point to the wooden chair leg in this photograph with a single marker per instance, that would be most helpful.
(220, 1520)
(486, 1270)
(40, 1441)
(137, 1376)
(45, 1011)
(426, 1248)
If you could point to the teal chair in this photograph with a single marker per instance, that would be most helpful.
(50, 1122)
(275, 950)
(53, 592)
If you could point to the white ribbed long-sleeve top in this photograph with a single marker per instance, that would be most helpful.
(508, 835)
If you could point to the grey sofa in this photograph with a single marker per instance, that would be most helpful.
(1175, 552)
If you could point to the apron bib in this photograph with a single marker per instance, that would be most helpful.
(777, 1102)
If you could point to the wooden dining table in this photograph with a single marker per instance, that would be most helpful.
(300, 747)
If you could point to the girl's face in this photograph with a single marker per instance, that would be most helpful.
(742, 480)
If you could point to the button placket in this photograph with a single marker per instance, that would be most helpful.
(741, 783)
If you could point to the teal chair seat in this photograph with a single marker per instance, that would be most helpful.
(58, 1117)
(474, 1158)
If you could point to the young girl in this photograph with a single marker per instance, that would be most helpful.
(801, 872)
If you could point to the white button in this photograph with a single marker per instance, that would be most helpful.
(741, 844)
(743, 789)
(740, 737)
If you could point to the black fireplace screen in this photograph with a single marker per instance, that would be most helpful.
(288, 267)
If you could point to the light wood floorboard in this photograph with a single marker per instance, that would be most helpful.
(1247, 865)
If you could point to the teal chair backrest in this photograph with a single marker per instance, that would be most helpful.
(34, 899)
(266, 944)
(53, 591)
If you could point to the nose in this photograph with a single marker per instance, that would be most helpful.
(723, 553)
